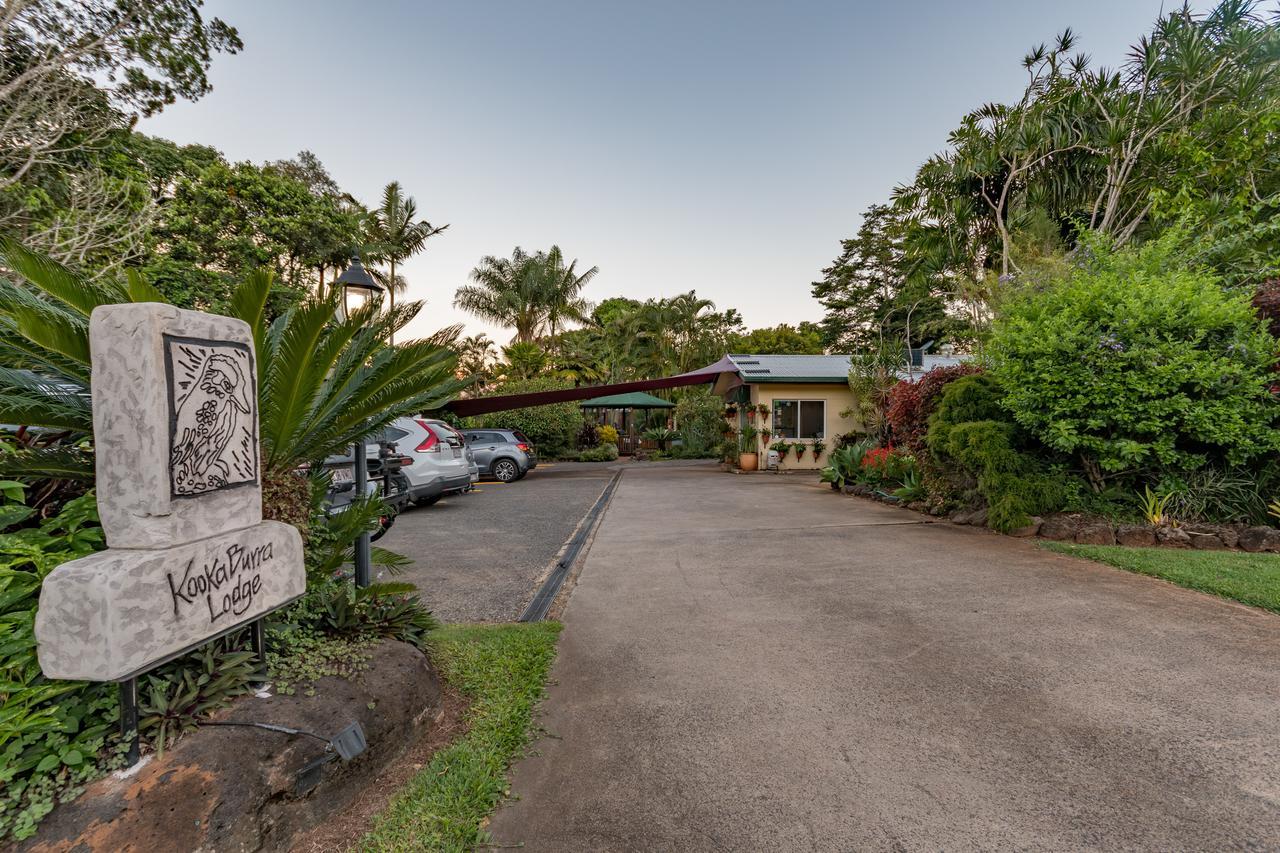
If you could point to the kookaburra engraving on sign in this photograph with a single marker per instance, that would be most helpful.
(212, 415)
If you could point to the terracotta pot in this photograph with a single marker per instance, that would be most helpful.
(748, 461)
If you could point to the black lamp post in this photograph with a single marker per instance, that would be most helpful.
(356, 279)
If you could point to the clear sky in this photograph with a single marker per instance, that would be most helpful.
(723, 147)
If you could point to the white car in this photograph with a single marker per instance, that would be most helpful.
(434, 458)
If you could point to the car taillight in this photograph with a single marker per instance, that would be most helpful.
(430, 444)
(406, 460)
(523, 447)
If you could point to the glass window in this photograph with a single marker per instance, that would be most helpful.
(786, 415)
(799, 418)
(813, 416)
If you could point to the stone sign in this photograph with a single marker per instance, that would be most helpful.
(189, 558)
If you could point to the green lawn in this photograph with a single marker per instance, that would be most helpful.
(1247, 578)
(502, 669)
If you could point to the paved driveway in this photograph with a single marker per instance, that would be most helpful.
(754, 663)
(478, 557)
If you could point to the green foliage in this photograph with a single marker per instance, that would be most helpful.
(699, 417)
(532, 293)
(912, 488)
(1153, 505)
(51, 732)
(1214, 494)
(780, 340)
(1135, 361)
(662, 436)
(502, 670)
(873, 373)
(173, 698)
(551, 428)
(605, 452)
(968, 431)
(607, 434)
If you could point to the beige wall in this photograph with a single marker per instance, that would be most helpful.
(838, 399)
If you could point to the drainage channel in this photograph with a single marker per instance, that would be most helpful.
(541, 604)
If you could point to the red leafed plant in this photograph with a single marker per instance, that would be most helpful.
(911, 404)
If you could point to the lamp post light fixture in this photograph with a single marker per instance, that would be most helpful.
(355, 279)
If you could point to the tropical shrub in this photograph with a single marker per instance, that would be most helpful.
(605, 452)
(607, 434)
(699, 415)
(970, 434)
(1215, 494)
(1133, 361)
(911, 404)
(551, 428)
(660, 436)
(842, 466)
(588, 436)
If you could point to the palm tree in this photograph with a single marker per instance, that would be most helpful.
(395, 236)
(507, 291)
(534, 294)
(563, 290)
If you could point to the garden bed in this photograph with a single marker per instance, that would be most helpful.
(1084, 529)
(241, 788)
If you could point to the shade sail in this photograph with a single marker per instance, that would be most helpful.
(485, 405)
(634, 400)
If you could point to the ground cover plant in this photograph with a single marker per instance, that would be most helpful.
(502, 670)
(1252, 579)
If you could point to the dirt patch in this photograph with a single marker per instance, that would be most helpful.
(343, 830)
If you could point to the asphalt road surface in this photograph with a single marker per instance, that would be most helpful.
(479, 557)
(756, 663)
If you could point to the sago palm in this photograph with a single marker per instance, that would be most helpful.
(323, 382)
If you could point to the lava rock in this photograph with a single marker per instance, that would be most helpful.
(1173, 537)
(1030, 530)
(1060, 527)
(979, 518)
(1256, 539)
(1207, 542)
(1136, 535)
(239, 788)
(1096, 531)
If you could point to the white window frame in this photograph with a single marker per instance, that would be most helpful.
(773, 415)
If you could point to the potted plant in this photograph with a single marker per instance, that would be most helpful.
(798, 447)
(748, 458)
(763, 411)
(765, 435)
(818, 447)
(731, 411)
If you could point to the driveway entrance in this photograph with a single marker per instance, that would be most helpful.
(754, 663)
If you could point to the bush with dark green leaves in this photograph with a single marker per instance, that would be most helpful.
(552, 428)
(1135, 362)
(970, 431)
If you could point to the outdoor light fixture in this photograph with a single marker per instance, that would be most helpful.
(355, 279)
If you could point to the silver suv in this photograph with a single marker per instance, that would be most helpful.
(504, 454)
(435, 459)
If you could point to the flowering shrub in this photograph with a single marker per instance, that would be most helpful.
(886, 466)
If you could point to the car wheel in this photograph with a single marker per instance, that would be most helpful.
(427, 501)
(506, 471)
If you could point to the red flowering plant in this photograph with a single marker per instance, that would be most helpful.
(886, 467)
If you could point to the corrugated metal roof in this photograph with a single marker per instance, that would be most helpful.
(819, 368)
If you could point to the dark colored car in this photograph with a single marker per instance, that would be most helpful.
(504, 454)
